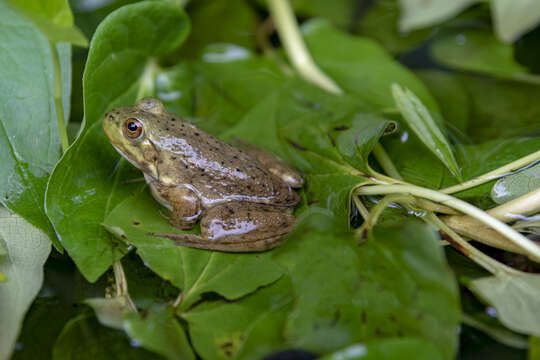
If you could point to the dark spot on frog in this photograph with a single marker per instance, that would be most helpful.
(111, 117)
(167, 129)
(123, 236)
(173, 119)
(296, 145)
(173, 157)
(341, 128)
(196, 134)
(136, 223)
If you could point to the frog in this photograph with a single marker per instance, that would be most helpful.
(242, 196)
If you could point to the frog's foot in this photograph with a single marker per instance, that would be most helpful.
(199, 242)
(239, 227)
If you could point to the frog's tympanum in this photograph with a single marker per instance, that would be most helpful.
(242, 195)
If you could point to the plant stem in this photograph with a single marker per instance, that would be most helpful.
(121, 285)
(57, 85)
(512, 235)
(385, 161)
(500, 334)
(518, 208)
(465, 248)
(378, 209)
(495, 174)
(296, 49)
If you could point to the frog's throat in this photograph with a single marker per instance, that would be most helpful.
(145, 170)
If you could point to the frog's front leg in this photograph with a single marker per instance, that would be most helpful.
(183, 202)
(239, 227)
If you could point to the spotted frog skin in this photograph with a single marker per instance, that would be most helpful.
(242, 195)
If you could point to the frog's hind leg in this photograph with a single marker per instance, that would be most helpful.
(239, 227)
(200, 242)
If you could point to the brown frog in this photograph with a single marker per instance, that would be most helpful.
(243, 196)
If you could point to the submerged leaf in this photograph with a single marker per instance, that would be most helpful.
(516, 185)
(422, 123)
(23, 251)
(515, 297)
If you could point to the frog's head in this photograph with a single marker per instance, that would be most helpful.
(129, 130)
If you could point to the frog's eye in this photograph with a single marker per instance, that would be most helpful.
(133, 128)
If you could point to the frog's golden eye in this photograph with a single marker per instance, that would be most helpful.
(133, 128)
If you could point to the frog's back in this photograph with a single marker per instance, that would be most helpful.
(215, 169)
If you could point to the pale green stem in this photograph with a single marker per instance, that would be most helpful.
(121, 285)
(146, 87)
(465, 248)
(57, 85)
(296, 49)
(495, 174)
(466, 208)
(518, 208)
(378, 209)
(385, 161)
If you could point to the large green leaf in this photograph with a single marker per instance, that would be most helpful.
(88, 182)
(29, 141)
(361, 66)
(417, 13)
(513, 19)
(397, 284)
(54, 19)
(25, 250)
(479, 50)
(194, 271)
(160, 332)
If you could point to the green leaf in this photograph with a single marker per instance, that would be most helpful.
(379, 23)
(417, 14)
(389, 349)
(26, 249)
(337, 12)
(88, 182)
(516, 185)
(452, 97)
(513, 19)
(479, 50)
(397, 284)
(250, 328)
(233, 21)
(422, 123)
(83, 338)
(360, 66)
(515, 297)
(29, 141)
(54, 19)
(160, 332)
(194, 271)
(217, 91)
